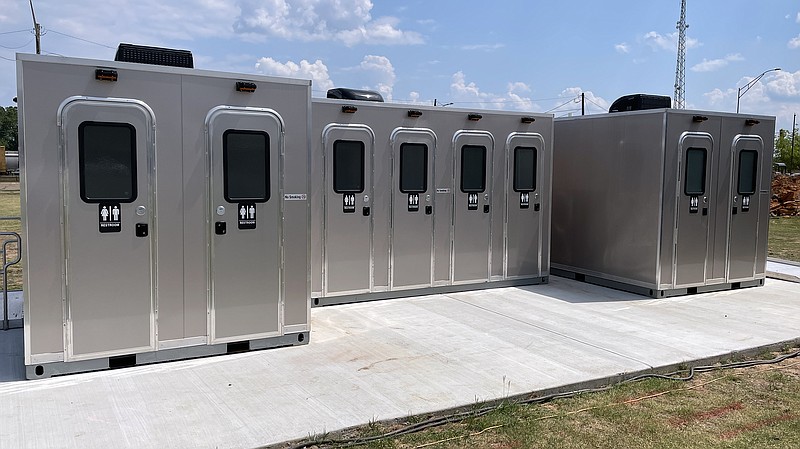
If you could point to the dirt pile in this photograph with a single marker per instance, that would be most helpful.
(785, 195)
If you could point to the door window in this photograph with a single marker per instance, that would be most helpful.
(348, 166)
(524, 169)
(473, 168)
(695, 183)
(107, 160)
(413, 168)
(245, 156)
(748, 164)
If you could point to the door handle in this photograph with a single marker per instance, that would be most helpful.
(428, 210)
(141, 230)
(365, 211)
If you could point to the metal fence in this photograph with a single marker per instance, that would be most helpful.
(8, 238)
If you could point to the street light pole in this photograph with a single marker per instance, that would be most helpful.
(791, 158)
(743, 90)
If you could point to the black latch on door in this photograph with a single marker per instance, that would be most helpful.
(220, 228)
(141, 229)
(537, 206)
(365, 211)
(485, 208)
(428, 210)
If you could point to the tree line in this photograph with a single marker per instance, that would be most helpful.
(8, 128)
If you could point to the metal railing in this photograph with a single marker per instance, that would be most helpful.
(15, 238)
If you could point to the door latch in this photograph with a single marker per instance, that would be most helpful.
(141, 230)
(220, 228)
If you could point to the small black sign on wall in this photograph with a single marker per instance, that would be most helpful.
(247, 215)
(109, 217)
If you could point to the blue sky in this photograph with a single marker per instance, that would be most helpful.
(522, 55)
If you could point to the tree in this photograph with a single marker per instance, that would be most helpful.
(783, 149)
(8, 128)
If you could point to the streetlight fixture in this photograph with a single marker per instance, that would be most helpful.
(743, 90)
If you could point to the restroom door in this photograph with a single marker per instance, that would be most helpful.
(411, 245)
(695, 163)
(471, 253)
(745, 205)
(245, 148)
(524, 203)
(107, 215)
(347, 242)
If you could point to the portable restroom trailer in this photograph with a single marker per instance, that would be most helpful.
(410, 200)
(164, 212)
(662, 202)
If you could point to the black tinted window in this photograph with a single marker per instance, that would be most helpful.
(348, 166)
(524, 169)
(695, 183)
(748, 164)
(413, 168)
(107, 159)
(473, 168)
(246, 165)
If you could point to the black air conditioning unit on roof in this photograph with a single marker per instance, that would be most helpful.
(154, 55)
(354, 94)
(640, 102)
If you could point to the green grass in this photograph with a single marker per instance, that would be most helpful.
(784, 238)
(756, 407)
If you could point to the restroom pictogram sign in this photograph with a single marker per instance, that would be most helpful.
(247, 215)
(109, 217)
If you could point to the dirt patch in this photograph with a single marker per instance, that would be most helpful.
(758, 425)
(785, 196)
(707, 415)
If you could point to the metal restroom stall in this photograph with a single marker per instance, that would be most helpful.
(164, 211)
(410, 200)
(662, 202)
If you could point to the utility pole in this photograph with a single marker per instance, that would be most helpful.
(680, 66)
(794, 131)
(37, 29)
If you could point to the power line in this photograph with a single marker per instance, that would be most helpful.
(18, 31)
(7, 59)
(80, 39)
(17, 48)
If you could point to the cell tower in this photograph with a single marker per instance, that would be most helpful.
(680, 68)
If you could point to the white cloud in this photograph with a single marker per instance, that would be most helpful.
(797, 19)
(593, 104)
(794, 42)
(667, 42)
(316, 71)
(482, 47)
(716, 64)
(513, 99)
(622, 48)
(381, 69)
(347, 21)
(784, 85)
(718, 97)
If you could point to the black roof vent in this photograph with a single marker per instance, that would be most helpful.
(354, 94)
(154, 55)
(639, 102)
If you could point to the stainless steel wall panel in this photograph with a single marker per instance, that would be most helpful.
(663, 241)
(178, 316)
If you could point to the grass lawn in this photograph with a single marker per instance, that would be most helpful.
(756, 407)
(784, 238)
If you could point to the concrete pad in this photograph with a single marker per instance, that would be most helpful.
(389, 359)
(786, 270)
